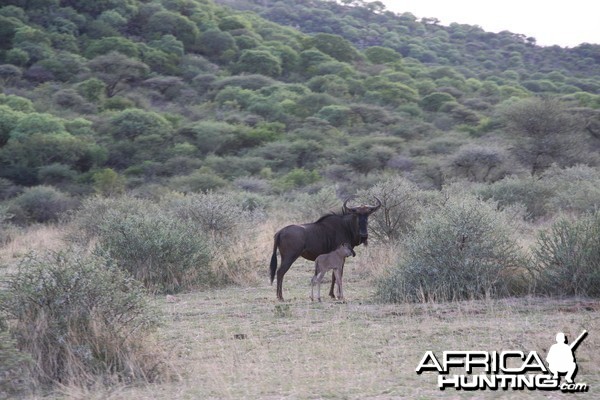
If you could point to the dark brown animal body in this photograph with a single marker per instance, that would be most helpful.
(321, 237)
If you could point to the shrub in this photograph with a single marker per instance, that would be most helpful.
(568, 257)
(68, 98)
(95, 212)
(532, 193)
(14, 377)
(8, 189)
(402, 205)
(201, 180)
(546, 132)
(41, 204)
(80, 319)
(134, 123)
(310, 207)
(435, 100)
(577, 189)
(479, 163)
(296, 178)
(107, 182)
(13, 367)
(230, 222)
(56, 174)
(462, 251)
(165, 254)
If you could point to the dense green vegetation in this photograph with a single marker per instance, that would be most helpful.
(193, 96)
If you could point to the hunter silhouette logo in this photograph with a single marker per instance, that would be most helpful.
(510, 369)
(561, 358)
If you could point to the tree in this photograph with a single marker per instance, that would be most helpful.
(9, 74)
(479, 163)
(108, 183)
(334, 46)
(134, 123)
(381, 55)
(110, 44)
(117, 70)
(170, 23)
(8, 120)
(435, 100)
(259, 62)
(546, 131)
(8, 28)
(218, 44)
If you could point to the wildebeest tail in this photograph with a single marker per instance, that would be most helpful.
(274, 257)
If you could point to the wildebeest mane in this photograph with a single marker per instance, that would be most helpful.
(329, 215)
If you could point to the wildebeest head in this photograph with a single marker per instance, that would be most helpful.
(362, 212)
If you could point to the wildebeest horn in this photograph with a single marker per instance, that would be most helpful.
(345, 208)
(375, 208)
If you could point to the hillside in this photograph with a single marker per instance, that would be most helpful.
(470, 48)
(193, 95)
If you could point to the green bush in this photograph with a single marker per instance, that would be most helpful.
(201, 180)
(568, 257)
(107, 182)
(532, 193)
(577, 189)
(463, 250)
(296, 178)
(166, 254)
(41, 204)
(80, 319)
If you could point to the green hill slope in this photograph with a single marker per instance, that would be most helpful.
(193, 96)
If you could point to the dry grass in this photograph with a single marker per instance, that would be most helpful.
(240, 343)
(34, 238)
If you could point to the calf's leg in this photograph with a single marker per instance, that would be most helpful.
(338, 274)
(333, 279)
(319, 279)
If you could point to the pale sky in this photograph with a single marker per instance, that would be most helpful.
(566, 23)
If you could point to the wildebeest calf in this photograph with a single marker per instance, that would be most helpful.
(330, 261)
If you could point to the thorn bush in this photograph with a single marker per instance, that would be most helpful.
(567, 257)
(81, 319)
(463, 250)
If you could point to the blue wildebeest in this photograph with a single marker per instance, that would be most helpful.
(323, 236)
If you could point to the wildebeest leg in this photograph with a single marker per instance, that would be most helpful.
(312, 283)
(286, 263)
(331, 293)
(319, 278)
(338, 274)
